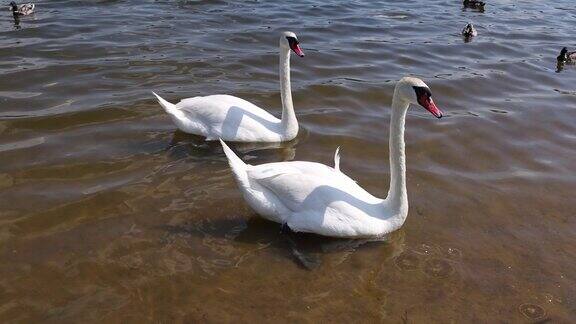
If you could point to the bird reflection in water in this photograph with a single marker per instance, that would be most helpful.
(16, 22)
(311, 251)
(194, 145)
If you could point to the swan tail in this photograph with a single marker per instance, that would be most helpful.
(169, 107)
(337, 159)
(236, 164)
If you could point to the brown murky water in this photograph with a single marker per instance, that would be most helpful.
(107, 214)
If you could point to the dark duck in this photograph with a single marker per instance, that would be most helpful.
(474, 4)
(566, 57)
(21, 10)
(469, 31)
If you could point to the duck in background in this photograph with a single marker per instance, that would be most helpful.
(474, 4)
(469, 31)
(22, 10)
(566, 57)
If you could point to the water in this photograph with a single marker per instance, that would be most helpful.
(108, 214)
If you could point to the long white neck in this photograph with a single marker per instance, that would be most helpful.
(289, 122)
(397, 195)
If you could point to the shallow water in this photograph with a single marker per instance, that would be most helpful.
(107, 214)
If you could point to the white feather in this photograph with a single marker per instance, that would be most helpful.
(337, 159)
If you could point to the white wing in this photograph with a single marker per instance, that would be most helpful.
(230, 118)
(308, 185)
(320, 199)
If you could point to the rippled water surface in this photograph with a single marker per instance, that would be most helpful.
(108, 214)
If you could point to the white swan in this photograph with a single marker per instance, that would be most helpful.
(312, 197)
(233, 119)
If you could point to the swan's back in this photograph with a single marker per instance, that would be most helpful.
(218, 104)
(296, 182)
(228, 117)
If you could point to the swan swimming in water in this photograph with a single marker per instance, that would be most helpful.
(315, 198)
(233, 119)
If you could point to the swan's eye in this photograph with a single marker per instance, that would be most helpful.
(292, 40)
(422, 93)
(294, 45)
(424, 97)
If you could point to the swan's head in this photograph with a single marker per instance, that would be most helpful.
(415, 91)
(13, 6)
(288, 40)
